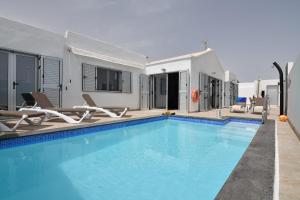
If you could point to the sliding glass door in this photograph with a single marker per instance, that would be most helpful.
(26, 75)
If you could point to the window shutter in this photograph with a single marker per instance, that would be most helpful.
(52, 79)
(126, 82)
(88, 78)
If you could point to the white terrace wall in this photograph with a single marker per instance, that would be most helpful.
(72, 96)
(247, 90)
(294, 95)
(24, 38)
(251, 89)
(209, 64)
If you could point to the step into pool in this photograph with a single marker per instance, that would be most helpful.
(165, 159)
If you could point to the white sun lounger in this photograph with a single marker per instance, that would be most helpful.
(111, 114)
(51, 111)
(114, 112)
(21, 116)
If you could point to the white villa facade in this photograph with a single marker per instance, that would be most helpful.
(65, 66)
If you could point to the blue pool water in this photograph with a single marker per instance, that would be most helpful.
(167, 159)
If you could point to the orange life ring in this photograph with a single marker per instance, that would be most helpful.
(195, 96)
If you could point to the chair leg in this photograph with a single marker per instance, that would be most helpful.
(19, 122)
(4, 128)
(37, 122)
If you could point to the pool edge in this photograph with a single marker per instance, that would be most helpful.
(54, 134)
(253, 176)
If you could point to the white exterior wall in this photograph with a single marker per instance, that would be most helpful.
(24, 38)
(171, 66)
(209, 64)
(205, 62)
(294, 95)
(247, 90)
(251, 89)
(229, 76)
(263, 87)
(72, 96)
(28, 39)
(263, 84)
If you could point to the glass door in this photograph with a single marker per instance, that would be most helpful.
(3, 80)
(18, 74)
(26, 76)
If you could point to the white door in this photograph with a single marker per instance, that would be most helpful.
(52, 79)
(144, 91)
(183, 91)
(272, 93)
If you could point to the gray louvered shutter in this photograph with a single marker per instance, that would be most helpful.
(144, 91)
(126, 82)
(202, 78)
(183, 91)
(88, 78)
(52, 79)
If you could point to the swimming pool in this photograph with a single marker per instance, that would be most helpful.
(166, 158)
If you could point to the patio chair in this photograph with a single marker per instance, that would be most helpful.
(259, 105)
(240, 105)
(114, 112)
(50, 110)
(29, 101)
(22, 116)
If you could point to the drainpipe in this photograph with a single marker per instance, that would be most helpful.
(281, 85)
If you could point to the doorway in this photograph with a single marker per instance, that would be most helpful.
(173, 88)
(19, 73)
(164, 91)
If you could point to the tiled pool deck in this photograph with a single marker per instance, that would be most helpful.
(288, 143)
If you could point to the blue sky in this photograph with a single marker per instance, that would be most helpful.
(246, 35)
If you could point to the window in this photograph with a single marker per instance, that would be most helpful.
(96, 78)
(102, 78)
(115, 79)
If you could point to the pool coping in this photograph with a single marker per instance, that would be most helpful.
(253, 176)
(12, 135)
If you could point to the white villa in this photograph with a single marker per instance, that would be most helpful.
(65, 66)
